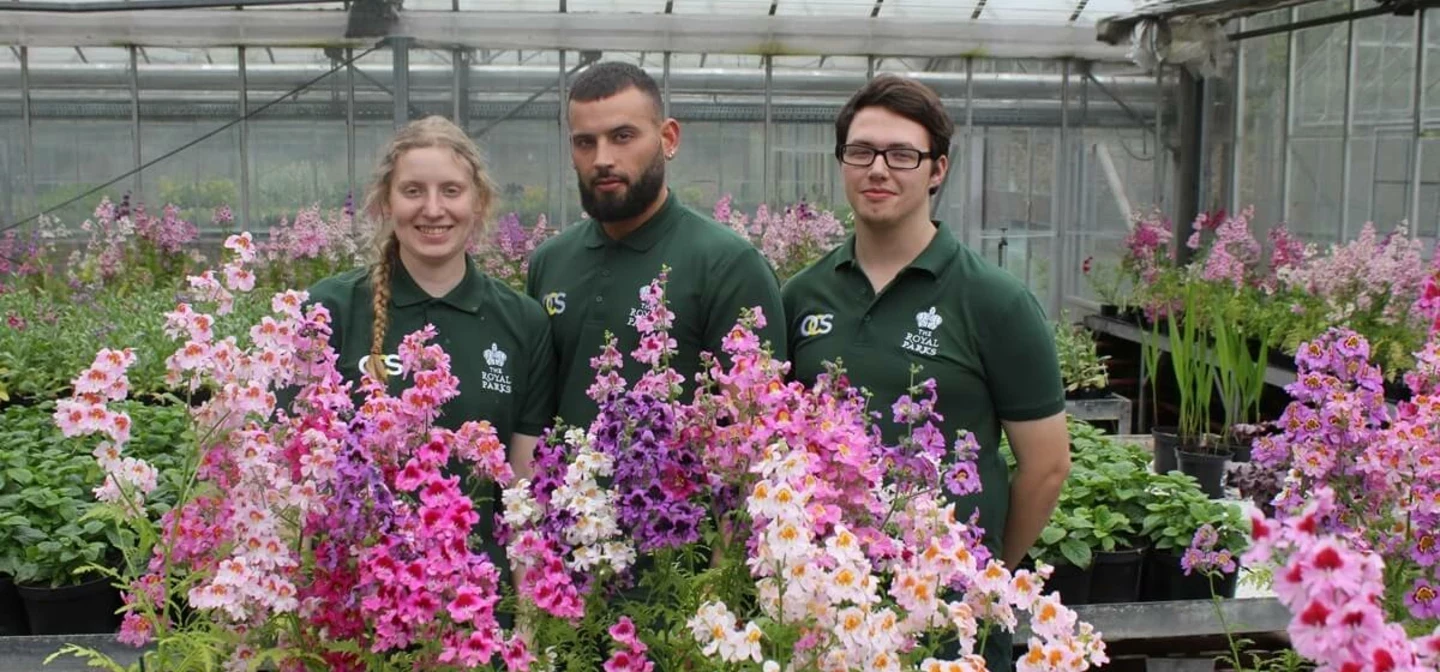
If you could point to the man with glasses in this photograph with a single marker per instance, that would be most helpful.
(903, 291)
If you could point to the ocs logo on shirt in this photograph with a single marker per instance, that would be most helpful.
(818, 324)
(554, 303)
(392, 364)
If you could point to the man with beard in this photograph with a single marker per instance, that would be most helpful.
(589, 277)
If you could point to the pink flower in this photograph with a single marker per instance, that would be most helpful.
(623, 632)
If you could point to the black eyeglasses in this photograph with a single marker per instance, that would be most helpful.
(898, 158)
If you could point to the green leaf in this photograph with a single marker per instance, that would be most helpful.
(1076, 552)
(20, 475)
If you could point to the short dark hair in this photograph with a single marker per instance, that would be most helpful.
(905, 97)
(603, 80)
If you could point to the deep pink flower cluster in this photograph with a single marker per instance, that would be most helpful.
(322, 527)
(1147, 246)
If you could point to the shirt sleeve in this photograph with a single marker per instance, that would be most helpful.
(746, 280)
(1018, 351)
(537, 411)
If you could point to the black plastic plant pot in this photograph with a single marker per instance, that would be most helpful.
(1072, 583)
(12, 610)
(86, 608)
(1109, 310)
(1166, 441)
(1115, 576)
(1208, 469)
(1165, 580)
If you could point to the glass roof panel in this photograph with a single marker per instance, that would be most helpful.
(617, 6)
(943, 10)
(853, 8)
(1098, 9)
(729, 7)
(505, 5)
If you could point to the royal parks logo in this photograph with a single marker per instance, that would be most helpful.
(494, 377)
(923, 340)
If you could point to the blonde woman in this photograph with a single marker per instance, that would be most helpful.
(431, 197)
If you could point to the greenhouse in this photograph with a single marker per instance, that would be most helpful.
(224, 444)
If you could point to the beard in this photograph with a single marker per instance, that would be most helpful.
(626, 204)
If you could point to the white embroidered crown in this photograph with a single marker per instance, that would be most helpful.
(495, 356)
(929, 319)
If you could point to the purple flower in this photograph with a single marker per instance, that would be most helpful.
(1423, 600)
(1426, 548)
(963, 479)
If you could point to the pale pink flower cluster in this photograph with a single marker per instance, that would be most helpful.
(313, 236)
(1233, 256)
(127, 480)
(829, 586)
(1370, 273)
(791, 239)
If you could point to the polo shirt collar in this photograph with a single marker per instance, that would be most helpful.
(933, 259)
(644, 237)
(466, 296)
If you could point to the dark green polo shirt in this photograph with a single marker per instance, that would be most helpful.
(498, 341)
(973, 327)
(590, 284)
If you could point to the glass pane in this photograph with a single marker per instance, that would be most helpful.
(1431, 112)
(1314, 192)
(298, 146)
(1262, 145)
(1385, 71)
(200, 178)
(1322, 55)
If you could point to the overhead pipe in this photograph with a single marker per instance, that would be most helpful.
(520, 78)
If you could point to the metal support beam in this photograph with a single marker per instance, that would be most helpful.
(1347, 141)
(1417, 147)
(139, 182)
(1189, 99)
(1157, 158)
(29, 122)
(1292, 47)
(350, 129)
(400, 62)
(245, 223)
(549, 31)
(665, 86)
(766, 174)
(563, 162)
(1063, 207)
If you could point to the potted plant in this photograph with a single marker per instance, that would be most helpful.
(1108, 481)
(1177, 510)
(46, 496)
(1082, 368)
(1064, 545)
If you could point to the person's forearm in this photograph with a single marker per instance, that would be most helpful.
(1033, 494)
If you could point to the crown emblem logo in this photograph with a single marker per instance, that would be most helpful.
(929, 319)
(495, 357)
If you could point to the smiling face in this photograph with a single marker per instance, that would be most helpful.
(619, 144)
(885, 197)
(434, 204)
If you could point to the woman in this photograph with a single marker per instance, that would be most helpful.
(431, 197)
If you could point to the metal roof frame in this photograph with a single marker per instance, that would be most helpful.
(764, 35)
